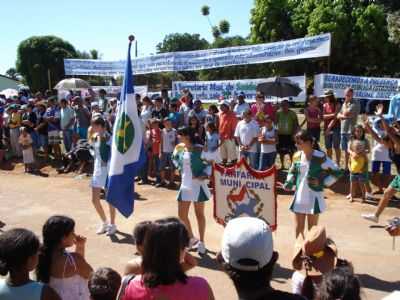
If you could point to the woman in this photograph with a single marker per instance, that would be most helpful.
(310, 172)
(146, 111)
(66, 272)
(331, 109)
(187, 158)
(163, 277)
(260, 109)
(197, 130)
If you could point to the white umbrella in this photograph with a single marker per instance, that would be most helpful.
(72, 84)
(9, 93)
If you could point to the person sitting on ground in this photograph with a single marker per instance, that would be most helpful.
(248, 257)
(66, 272)
(165, 244)
(104, 284)
(19, 250)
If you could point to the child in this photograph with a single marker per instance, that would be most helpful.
(313, 117)
(155, 138)
(268, 140)
(210, 151)
(174, 115)
(358, 164)
(25, 141)
(104, 284)
(168, 142)
(18, 256)
(66, 272)
(212, 116)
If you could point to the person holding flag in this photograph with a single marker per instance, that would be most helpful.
(127, 151)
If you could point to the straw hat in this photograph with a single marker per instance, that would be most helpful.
(315, 254)
(328, 93)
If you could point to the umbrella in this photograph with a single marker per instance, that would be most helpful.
(279, 87)
(9, 93)
(72, 84)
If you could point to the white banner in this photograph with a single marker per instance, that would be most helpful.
(210, 91)
(114, 90)
(364, 87)
(308, 47)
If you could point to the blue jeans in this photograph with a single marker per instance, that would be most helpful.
(67, 138)
(35, 140)
(267, 160)
(156, 161)
(143, 171)
(82, 131)
(252, 158)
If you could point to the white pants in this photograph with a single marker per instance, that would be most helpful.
(15, 146)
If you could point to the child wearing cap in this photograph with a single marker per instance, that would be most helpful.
(168, 143)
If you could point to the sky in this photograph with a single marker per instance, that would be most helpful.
(106, 25)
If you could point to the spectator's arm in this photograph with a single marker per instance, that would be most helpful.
(84, 269)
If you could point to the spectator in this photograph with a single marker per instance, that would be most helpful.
(155, 138)
(163, 275)
(14, 123)
(186, 106)
(261, 108)
(174, 115)
(246, 134)
(313, 117)
(241, 106)
(198, 112)
(67, 120)
(29, 121)
(227, 126)
(331, 110)
(314, 256)
(82, 116)
(104, 284)
(42, 128)
(25, 141)
(248, 257)
(210, 151)
(159, 112)
(288, 125)
(268, 139)
(18, 256)
(348, 115)
(103, 101)
(168, 142)
(52, 117)
(197, 130)
(66, 272)
(212, 115)
(146, 111)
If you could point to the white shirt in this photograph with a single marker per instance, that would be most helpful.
(246, 132)
(240, 108)
(145, 114)
(297, 282)
(380, 152)
(168, 140)
(269, 135)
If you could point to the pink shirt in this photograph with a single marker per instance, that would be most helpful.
(267, 109)
(196, 288)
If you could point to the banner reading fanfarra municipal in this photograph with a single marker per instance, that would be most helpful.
(308, 47)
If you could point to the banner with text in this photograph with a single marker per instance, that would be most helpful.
(308, 47)
(242, 191)
(364, 87)
(114, 90)
(211, 91)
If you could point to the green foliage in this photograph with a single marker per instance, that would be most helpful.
(205, 10)
(216, 32)
(224, 26)
(181, 42)
(38, 54)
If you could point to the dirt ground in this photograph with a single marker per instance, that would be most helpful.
(28, 200)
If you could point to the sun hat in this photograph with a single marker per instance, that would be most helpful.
(328, 93)
(315, 254)
(245, 239)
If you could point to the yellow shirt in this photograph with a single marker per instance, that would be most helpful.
(357, 164)
(15, 120)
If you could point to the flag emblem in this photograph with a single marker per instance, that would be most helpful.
(125, 133)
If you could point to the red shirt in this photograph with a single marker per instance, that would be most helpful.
(259, 112)
(227, 125)
(314, 113)
(155, 136)
(329, 109)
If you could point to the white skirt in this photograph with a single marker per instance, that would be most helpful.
(99, 178)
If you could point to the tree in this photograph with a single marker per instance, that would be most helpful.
(224, 26)
(12, 73)
(181, 42)
(216, 31)
(38, 55)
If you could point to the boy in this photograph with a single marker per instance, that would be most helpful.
(104, 284)
(168, 142)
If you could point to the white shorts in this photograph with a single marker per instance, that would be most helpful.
(99, 178)
(228, 150)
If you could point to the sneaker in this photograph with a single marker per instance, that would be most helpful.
(111, 229)
(348, 196)
(102, 228)
(369, 196)
(201, 248)
(370, 217)
(193, 243)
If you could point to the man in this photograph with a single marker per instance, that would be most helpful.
(82, 117)
(348, 115)
(227, 126)
(198, 112)
(246, 134)
(288, 124)
(248, 257)
(52, 118)
(103, 101)
(241, 106)
(29, 121)
(67, 120)
(159, 112)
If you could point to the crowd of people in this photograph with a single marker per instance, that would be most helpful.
(181, 136)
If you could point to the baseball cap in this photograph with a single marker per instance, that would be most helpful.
(247, 238)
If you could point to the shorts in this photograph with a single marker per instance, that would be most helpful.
(395, 184)
(43, 140)
(99, 180)
(285, 144)
(332, 140)
(315, 133)
(54, 137)
(344, 141)
(361, 177)
(386, 167)
(166, 161)
(228, 150)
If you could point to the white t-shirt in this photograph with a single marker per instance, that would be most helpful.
(240, 108)
(169, 140)
(380, 152)
(297, 282)
(246, 132)
(268, 134)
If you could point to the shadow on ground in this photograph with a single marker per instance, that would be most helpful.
(371, 282)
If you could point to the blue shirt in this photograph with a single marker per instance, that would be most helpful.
(29, 291)
(53, 112)
(212, 141)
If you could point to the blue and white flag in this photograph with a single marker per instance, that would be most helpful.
(127, 152)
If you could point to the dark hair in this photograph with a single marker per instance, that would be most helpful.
(332, 99)
(54, 231)
(197, 121)
(341, 283)
(16, 247)
(139, 232)
(305, 136)
(214, 108)
(102, 91)
(146, 99)
(104, 284)
(163, 243)
(353, 132)
(174, 105)
(212, 126)
(99, 121)
(186, 131)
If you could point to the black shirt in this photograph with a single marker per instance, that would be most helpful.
(32, 118)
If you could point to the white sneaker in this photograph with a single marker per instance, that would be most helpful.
(370, 217)
(102, 228)
(201, 248)
(111, 229)
(348, 196)
(193, 243)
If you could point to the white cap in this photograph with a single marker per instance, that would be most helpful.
(247, 238)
